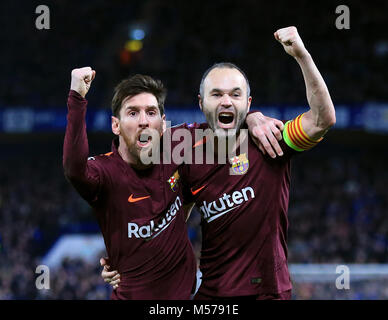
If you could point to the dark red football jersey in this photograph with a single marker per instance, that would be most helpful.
(139, 212)
(244, 222)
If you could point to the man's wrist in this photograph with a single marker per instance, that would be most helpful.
(76, 94)
(251, 121)
(76, 103)
(303, 58)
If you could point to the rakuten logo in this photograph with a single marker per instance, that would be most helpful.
(153, 229)
(213, 210)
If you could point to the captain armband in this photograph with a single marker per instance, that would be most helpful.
(295, 137)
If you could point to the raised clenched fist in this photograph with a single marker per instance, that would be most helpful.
(81, 80)
(291, 42)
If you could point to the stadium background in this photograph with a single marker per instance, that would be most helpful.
(339, 199)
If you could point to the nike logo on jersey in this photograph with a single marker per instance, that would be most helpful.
(132, 199)
(194, 192)
(199, 142)
(157, 226)
(228, 202)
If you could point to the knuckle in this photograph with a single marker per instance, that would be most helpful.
(275, 131)
(274, 126)
(261, 135)
(257, 129)
(267, 132)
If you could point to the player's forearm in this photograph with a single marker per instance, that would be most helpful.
(318, 96)
(75, 148)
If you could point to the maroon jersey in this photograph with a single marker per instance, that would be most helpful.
(244, 222)
(139, 212)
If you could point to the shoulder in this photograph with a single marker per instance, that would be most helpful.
(190, 126)
(288, 152)
(100, 159)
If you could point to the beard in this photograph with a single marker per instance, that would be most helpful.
(144, 156)
(211, 118)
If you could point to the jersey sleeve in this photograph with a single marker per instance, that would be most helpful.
(84, 175)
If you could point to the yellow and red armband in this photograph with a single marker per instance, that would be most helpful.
(295, 137)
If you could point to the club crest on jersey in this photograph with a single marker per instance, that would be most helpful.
(173, 181)
(240, 164)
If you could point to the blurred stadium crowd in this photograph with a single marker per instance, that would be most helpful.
(182, 40)
(37, 205)
(338, 201)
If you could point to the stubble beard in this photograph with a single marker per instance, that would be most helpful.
(211, 119)
(137, 153)
(225, 140)
(133, 152)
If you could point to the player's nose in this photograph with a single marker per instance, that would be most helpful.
(143, 120)
(226, 100)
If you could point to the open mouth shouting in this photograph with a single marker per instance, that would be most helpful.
(144, 140)
(226, 119)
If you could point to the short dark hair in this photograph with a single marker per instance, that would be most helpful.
(222, 65)
(137, 84)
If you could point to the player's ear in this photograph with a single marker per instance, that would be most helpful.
(164, 124)
(249, 103)
(200, 102)
(116, 125)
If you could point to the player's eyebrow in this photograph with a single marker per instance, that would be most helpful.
(221, 90)
(140, 107)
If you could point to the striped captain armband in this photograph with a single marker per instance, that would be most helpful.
(295, 137)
